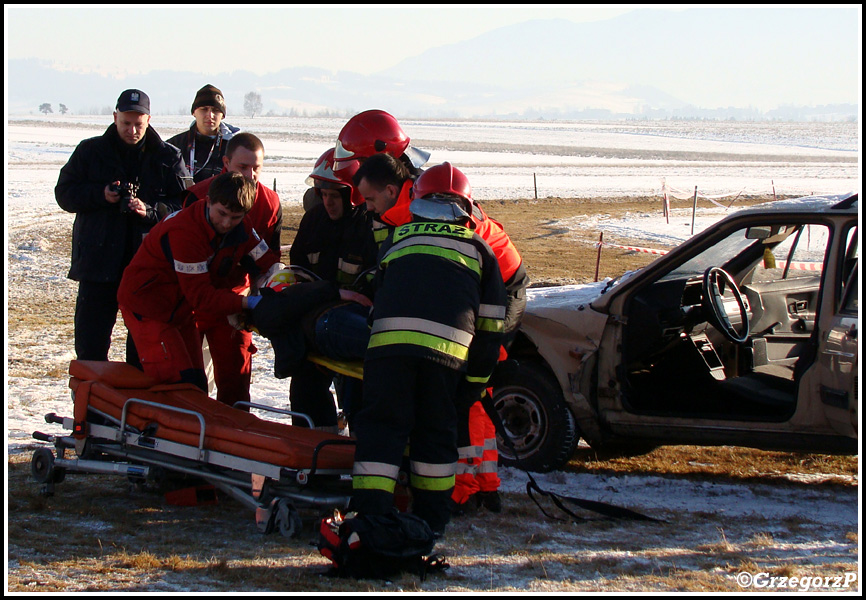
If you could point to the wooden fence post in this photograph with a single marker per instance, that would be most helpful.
(598, 259)
(694, 209)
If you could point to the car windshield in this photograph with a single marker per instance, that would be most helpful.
(800, 246)
(714, 256)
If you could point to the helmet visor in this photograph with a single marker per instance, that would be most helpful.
(437, 208)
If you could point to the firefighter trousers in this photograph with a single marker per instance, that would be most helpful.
(407, 400)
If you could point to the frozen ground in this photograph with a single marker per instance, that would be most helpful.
(807, 161)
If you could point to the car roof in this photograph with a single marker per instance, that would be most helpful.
(831, 204)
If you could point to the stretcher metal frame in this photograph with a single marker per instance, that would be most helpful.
(313, 473)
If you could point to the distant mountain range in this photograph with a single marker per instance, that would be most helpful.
(631, 66)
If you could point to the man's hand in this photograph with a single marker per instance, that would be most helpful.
(138, 207)
(111, 197)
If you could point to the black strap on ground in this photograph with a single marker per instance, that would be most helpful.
(602, 508)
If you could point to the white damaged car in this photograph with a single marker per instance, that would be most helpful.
(744, 335)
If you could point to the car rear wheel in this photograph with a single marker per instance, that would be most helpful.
(539, 425)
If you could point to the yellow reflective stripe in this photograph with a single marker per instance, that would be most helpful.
(477, 380)
(494, 325)
(373, 482)
(380, 233)
(467, 248)
(369, 475)
(388, 338)
(433, 484)
(453, 255)
(423, 326)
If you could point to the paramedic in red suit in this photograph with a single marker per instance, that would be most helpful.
(179, 269)
(231, 349)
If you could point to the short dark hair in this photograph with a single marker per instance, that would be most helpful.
(381, 170)
(232, 190)
(244, 140)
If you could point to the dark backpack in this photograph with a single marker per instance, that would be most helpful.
(379, 546)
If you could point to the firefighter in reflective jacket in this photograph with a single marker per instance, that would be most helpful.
(437, 327)
(387, 185)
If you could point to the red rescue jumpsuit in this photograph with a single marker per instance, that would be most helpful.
(173, 274)
(231, 349)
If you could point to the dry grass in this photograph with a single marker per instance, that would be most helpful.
(722, 462)
(123, 539)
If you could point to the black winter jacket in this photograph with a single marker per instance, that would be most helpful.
(207, 152)
(338, 250)
(104, 239)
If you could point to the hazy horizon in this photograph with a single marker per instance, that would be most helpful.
(517, 61)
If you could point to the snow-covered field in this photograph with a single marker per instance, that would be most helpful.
(628, 159)
(508, 160)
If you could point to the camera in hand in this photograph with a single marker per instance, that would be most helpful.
(127, 191)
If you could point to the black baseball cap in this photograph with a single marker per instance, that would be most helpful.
(133, 101)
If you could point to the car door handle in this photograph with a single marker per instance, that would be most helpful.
(798, 306)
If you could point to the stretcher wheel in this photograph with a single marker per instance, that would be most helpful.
(42, 467)
(287, 519)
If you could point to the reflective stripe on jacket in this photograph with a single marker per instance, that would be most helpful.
(459, 326)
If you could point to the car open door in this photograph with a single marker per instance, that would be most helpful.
(837, 359)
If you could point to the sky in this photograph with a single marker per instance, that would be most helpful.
(114, 40)
(370, 38)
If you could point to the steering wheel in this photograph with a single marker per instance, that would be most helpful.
(713, 288)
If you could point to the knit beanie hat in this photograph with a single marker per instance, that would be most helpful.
(209, 96)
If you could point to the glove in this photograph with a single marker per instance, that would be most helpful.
(240, 321)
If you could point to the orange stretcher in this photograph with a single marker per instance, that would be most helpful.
(124, 422)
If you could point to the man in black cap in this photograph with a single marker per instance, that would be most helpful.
(204, 144)
(119, 185)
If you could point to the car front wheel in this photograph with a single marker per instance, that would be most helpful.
(541, 429)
